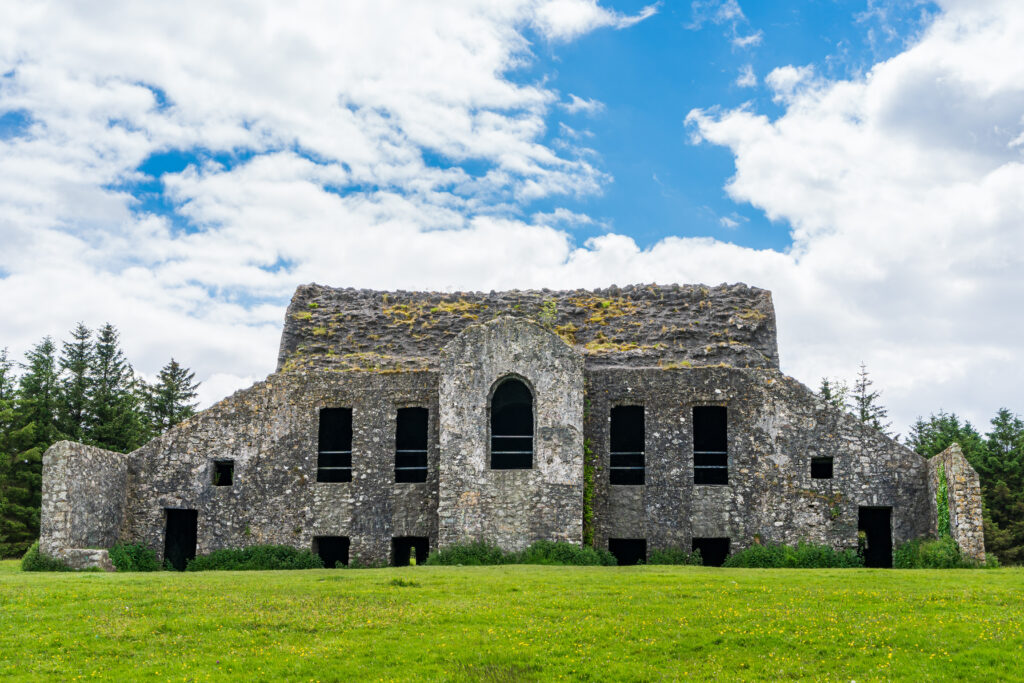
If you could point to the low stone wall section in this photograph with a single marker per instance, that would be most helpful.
(963, 494)
(83, 499)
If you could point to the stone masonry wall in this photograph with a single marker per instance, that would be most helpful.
(636, 326)
(510, 507)
(775, 426)
(83, 502)
(270, 431)
(963, 493)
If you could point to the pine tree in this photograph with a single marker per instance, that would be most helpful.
(114, 405)
(29, 427)
(835, 393)
(172, 398)
(865, 403)
(75, 361)
(931, 437)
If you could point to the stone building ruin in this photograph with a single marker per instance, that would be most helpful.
(413, 420)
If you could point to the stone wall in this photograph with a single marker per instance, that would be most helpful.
(963, 493)
(636, 326)
(270, 431)
(776, 425)
(510, 507)
(83, 502)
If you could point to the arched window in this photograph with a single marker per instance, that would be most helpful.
(512, 426)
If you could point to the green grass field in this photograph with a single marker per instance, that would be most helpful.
(514, 623)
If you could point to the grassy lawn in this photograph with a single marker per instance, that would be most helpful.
(514, 623)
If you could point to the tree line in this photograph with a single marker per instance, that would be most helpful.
(997, 456)
(86, 391)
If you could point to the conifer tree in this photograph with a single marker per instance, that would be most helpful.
(172, 398)
(835, 392)
(18, 522)
(75, 361)
(866, 406)
(114, 407)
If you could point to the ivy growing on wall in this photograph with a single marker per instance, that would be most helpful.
(942, 503)
(588, 493)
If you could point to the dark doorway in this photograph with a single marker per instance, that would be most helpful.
(710, 445)
(333, 550)
(512, 426)
(334, 452)
(180, 537)
(713, 551)
(411, 445)
(402, 546)
(876, 523)
(626, 437)
(628, 550)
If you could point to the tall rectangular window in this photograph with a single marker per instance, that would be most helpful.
(626, 438)
(411, 445)
(710, 445)
(334, 455)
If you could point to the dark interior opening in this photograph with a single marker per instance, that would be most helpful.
(402, 546)
(180, 537)
(411, 445)
(512, 426)
(333, 550)
(713, 551)
(876, 523)
(821, 468)
(710, 445)
(626, 438)
(628, 550)
(223, 472)
(334, 455)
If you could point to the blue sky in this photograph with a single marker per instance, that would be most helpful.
(179, 168)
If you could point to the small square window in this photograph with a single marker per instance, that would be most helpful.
(223, 472)
(821, 468)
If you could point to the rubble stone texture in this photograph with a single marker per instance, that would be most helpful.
(667, 348)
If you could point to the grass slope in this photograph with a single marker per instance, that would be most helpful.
(514, 623)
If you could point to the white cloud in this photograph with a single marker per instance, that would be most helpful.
(568, 19)
(749, 40)
(746, 79)
(726, 12)
(578, 104)
(363, 167)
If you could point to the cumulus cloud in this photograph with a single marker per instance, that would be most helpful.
(577, 104)
(386, 144)
(568, 19)
(746, 79)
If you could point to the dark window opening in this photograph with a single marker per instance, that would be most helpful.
(334, 454)
(626, 438)
(402, 548)
(876, 523)
(710, 445)
(628, 550)
(411, 445)
(713, 551)
(512, 426)
(821, 468)
(180, 537)
(223, 472)
(333, 550)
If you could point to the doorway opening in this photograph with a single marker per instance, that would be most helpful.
(402, 548)
(713, 551)
(628, 550)
(333, 550)
(876, 523)
(180, 537)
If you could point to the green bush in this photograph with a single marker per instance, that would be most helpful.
(551, 552)
(475, 553)
(930, 553)
(133, 557)
(803, 556)
(35, 561)
(674, 556)
(541, 552)
(256, 557)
